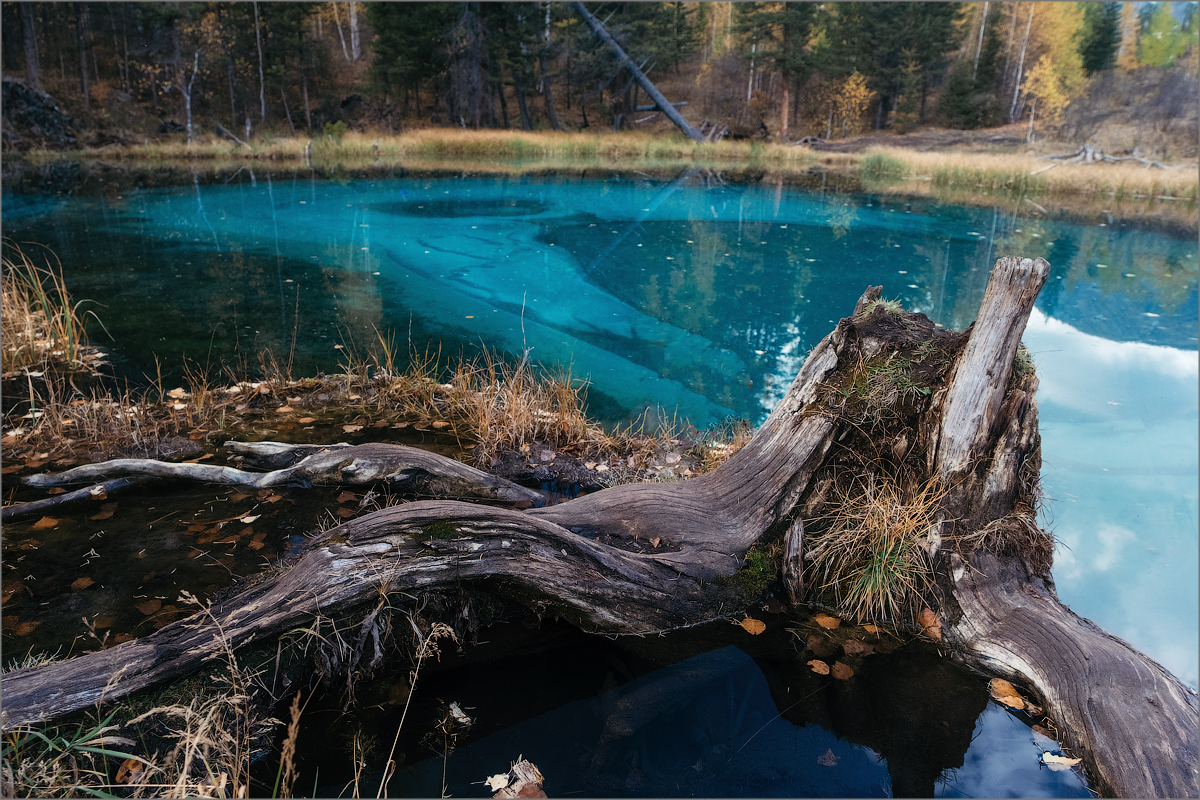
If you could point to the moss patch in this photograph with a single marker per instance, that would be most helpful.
(439, 530)
(753, 578)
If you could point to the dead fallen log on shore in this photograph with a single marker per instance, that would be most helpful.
(1090, 154)
(407, 469)
(930, 428)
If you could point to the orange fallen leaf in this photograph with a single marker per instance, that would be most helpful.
(122, 637)
(237, 497)
(56, 490)
(25, 628)
(383, 423)
(842, 672)
(439, 424)
(828, 759)
(256, 544)
(149, 606)
(44, 523)
(347, 497)
(871, 628)
(931, 626)
(819, 667)
(352, 428)
(754, 626)
(284, 410)
(79, 584)
(272, 498)
(345, 513)
(131, 769)
(1004, 692)
(103, 621)
(826, 621)
(306, 420)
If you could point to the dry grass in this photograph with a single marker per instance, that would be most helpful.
(438, 145)
(39, 325)
(988, 174)
(870, 555)
(213, 737)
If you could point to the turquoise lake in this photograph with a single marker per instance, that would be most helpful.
(687, 299)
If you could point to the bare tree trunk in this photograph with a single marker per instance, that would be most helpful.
(287, 111)
(979, 47)
(626, 61)
(644, 558)
(338, 23)
(1012, 111)
(355, 50)
(526, 122)
(81, 36)
(32, 73)
(262, 82)
(307, 109)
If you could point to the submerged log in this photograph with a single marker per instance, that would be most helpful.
(885, 396)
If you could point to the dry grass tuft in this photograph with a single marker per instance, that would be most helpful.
(39, 325)
(869, 556)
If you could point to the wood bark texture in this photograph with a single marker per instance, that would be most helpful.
(645, 558)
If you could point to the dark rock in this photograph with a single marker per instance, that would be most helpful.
(33, 118)
(171, 126)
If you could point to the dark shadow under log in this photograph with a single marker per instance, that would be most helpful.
(643, 558)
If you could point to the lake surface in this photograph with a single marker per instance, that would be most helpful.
(682, 298)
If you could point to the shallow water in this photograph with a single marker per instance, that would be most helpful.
(678, 298)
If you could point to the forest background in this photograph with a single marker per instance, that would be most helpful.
(1120, 75)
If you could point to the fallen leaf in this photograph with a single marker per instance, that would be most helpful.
(602, 468)
(656, 541)
(1004, 692)
(44, 523)
(438, 425)
(249, 518)
(826, 621)
(931, 626)
(178, 394)
(347, 497)
(820, 645)
(871, 628)
(1032, 710)
(32, 544)
(819, 667)
(256, 544)
(383, 423)
(842, 672)
(546, 455)
(12, 586)
(352, 428)
(828, 759)
(754, 626)
(149, 606)
(79, 584)
(306, 420)
(25, 628)
(106, 511)
(345, 513)
(590, 464)
(131, 769)
(854, 647)
(103, 621)
(284, 410)
(272, 498)
(56, 490)
(237, 497)
(1058, 763)
(497, 782)
(122, 637)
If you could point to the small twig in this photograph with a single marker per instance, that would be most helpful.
(226, 131)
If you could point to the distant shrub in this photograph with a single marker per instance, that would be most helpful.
(336, 130)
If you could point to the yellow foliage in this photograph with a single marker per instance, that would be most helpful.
(1043, 83)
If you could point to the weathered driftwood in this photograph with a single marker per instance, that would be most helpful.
(409, 469)
(96, 493)
(1090, 154)
(661, 102)
(642, 558)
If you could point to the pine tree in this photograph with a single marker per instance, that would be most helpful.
(1101, 36)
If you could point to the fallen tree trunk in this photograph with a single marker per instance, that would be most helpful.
(406, 468)
(886, 399)
(661, 102)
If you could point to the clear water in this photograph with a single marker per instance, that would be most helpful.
(678, 298)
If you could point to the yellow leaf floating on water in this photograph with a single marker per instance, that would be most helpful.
(1004, 692)
(754, 626)
(79, 584)
(44, 523)
(819, 666)
(826, 621)
(1058, 763)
